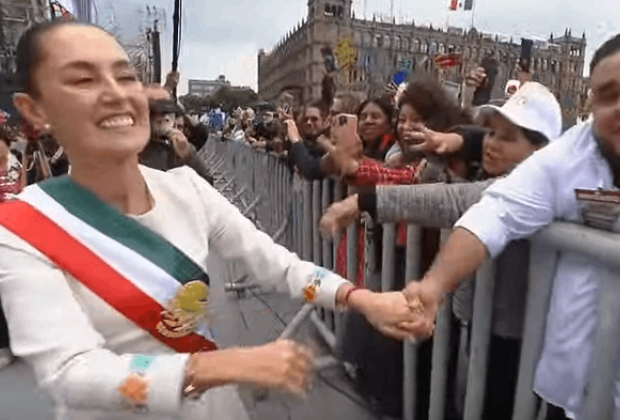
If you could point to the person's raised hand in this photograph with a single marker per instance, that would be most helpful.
(476, 78)
(180, 144)
(430, 141)
(292, 131)
(390, 313)
(339, 216)
(172, 81)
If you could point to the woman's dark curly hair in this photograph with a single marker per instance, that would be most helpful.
(428, 97)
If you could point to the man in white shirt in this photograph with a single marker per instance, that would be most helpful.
(539, 191)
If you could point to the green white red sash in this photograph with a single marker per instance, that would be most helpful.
(133, 269)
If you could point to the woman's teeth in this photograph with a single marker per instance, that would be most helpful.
(117, 122)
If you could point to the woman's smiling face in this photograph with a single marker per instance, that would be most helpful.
(88, 94)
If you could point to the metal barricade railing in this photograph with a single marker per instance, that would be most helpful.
(290, 208)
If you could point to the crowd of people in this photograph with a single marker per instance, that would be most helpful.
(103, 163)
(496, 173)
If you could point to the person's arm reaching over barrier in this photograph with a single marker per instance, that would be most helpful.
(513, 208)
(435, 205)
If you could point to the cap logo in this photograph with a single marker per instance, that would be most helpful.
(521, 101)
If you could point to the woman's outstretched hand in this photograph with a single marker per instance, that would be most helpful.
(390, 313)
(339, 216)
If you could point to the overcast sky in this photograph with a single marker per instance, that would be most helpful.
(223, 37)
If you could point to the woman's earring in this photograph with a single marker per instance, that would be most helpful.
(46, 129)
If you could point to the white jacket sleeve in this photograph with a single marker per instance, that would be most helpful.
(49, 329)
(235, 238)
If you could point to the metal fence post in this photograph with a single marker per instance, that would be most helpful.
(316, 234)
(326, 246)
(307, 229)
(413, 270)
(543, 260)
(388, 257)
(599, 400)
(352, 247)
(370, 263)
(338, 195)
(316, 218)
(480, 340)
(441, 356)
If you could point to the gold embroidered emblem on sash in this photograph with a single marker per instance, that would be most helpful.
(188, 310)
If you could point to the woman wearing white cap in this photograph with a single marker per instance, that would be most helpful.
(528, 121)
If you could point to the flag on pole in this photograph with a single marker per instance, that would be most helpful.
(466, 5)
(60, 12)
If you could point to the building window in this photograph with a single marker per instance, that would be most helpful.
(424, 48)
(407, 44)
(416, 46)
(328, 10)
(433, 48)
(441, 49)
(386, 41)
(366, 39)
(378, 40)
(398, 43)
(466, 53)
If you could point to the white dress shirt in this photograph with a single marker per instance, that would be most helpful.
(81, 347)
(537, 192)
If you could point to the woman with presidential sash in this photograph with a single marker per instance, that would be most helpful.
(103, 273)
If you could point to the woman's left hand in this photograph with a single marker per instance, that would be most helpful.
(387, 312)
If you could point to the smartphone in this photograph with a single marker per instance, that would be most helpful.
(525, 61)
(344, 130)
(482, 95)
(286, 108)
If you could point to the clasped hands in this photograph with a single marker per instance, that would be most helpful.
(401, 315)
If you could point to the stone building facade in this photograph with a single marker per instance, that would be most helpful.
(373, 51)
(15, 17)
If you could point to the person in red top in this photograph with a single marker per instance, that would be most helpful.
(425, 110)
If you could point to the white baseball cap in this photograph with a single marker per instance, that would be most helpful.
(533, 107)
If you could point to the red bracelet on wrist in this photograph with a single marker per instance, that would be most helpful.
(354, 289)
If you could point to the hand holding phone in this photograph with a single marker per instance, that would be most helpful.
(348, 146)
(483, 93)
(344, 131)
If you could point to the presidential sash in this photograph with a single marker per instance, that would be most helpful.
(133, 269)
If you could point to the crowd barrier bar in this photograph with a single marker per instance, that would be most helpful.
(295, 206)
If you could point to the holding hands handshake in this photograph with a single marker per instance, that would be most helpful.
(408, 314)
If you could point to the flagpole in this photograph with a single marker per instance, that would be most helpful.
(176, 18)
(473, 13)
(52, 13)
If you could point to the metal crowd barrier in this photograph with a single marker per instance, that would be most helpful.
(289, 208)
